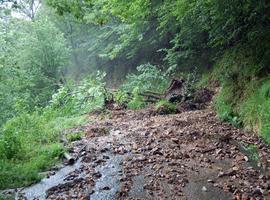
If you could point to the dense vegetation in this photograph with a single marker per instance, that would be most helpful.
(48, 56)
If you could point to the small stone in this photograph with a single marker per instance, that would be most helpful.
(220, 174)
(246, 158)
(261, 176)
(204, 189)
(245, 196)
(239, 158)
(235, 168)
(218, 151)
(106, 188)
(97, 175)
(258, 191)
(117, 132)
(216, 185)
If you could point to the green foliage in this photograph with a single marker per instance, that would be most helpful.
(7, 197)
(244, 96)
(148, 78)
(136, 103)
(253, 152)
(203, 81)
(29, 144)
(28, 141)
(74, 136)
(255, 110)
(36, 103)
(121, 97)
(166, 107)
(32, 56)
(88, 95)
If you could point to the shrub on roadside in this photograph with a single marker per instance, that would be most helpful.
(166, 107)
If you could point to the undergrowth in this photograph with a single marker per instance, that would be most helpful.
(30, 142)
(147, 78)
(74, 136)
(244, 98)
(166, 107)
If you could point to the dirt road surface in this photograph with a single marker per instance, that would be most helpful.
(142, 155)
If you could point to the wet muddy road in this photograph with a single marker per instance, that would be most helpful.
(141, 155)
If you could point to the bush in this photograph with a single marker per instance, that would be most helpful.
(30, 142)
(149, 78)
(87, 95)
(255, 111)
(244, 97)
(166, 107)
(74, 136)
(137, 102)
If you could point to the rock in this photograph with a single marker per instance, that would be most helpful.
(245, 196)
(246, 158)
(210, 181)
(204, 189)
(117, 132)
(218, 151)
(97, 175)
(258, 191)
(266, 185)
(141, 158)
(235, 168)
(216, 185)
(106, 188)
(220, 174)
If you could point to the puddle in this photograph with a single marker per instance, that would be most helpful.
(38, 191)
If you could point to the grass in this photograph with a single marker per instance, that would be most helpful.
(252, 111)
(253, 153)
(30, 144)
(255, 110)
(136, 103)
(245, 95)
(166, 107)
(9, 197)
(74, 136)
(203, 81)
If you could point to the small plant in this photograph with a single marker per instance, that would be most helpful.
(74, 136)
(252, 152)
(86, 96)
(136, 103)
(121, 97)
(166, 107)
(148, 78)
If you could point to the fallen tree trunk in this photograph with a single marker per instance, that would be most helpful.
(182, 93)
(150, 95)
(176, 90)
(174, 93)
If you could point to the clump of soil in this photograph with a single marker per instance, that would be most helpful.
(199, 100)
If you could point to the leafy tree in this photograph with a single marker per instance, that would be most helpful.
(32, 55)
